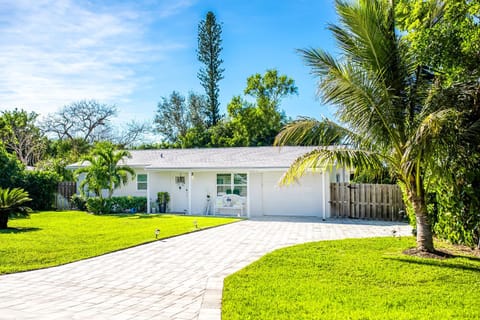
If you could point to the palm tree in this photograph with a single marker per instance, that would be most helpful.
(95, 176)
(103, 170)
(11, 205)
(117, 175)
(381, 95)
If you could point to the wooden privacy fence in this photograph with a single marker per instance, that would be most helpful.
(366, 201)
(65, 191)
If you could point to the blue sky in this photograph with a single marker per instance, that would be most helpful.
(132, 53)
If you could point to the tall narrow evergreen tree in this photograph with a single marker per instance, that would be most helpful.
(209, 49)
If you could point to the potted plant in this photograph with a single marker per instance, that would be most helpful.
(163, 198)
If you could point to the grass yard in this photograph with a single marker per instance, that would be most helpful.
(54, 238)
(353, 279)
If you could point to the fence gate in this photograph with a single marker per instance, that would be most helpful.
(65, 191)
(366, 201)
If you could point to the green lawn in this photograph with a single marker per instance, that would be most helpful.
(353, 279)
(53, 238)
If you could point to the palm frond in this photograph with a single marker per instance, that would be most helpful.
(429, 135)
(361, 32)
(311, 132)
(324, 158)
(472, 133)
(12, 202)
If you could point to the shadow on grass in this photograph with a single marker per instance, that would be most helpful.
(449, 263)
(138, 216)
(18, 230)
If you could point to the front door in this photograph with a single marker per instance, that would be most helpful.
(179, 197)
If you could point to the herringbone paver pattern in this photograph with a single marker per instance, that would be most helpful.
(178, 278)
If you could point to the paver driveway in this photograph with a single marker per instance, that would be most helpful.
(177, 278)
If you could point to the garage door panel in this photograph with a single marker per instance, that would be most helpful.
(299, 199)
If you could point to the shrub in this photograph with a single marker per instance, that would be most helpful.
(126, 204)
(456, 214)
(97, 205)
(79, 202)
(15, 169)
(131, 204)
(41, 187)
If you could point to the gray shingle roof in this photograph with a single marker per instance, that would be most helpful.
(215, 158)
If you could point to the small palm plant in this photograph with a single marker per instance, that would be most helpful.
(104, 171)
(11, 205)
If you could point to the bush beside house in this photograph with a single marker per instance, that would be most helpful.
(97, 205)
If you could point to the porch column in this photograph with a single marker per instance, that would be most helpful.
(190, 174)
(248, 194)
(325, 184)
(149, 209)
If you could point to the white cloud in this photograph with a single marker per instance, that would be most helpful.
(54, 52)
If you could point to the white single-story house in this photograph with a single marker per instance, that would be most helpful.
(229, 181)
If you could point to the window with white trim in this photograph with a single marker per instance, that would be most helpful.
(142, 182)
(232, 183)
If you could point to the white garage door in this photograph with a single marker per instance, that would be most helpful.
(298, 199)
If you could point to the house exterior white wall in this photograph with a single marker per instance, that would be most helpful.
(256, 186)
(308, 197)
(340, 175)
(203, 184)
(130, 189)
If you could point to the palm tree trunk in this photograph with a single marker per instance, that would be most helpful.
(3, 220)
(424, 231)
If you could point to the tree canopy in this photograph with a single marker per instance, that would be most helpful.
(21, 136)
(444, 35)
(88, 120)
(256, 123)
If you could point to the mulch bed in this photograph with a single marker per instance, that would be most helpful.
(453, 252)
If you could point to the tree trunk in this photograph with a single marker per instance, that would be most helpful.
(3, 220)
(424, 231)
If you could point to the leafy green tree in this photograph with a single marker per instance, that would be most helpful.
(171, 118)
(41, 186)
(444, 35)
(12, 205)
(269, 89)
(197, 134)
(252, 124)
(62, 152)
(104, 170)
(182, 122)
(454, 201)
(256, 124)
(208, 53)
(21, 136)
(380, 91)
(228, 134)
(11, 169)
